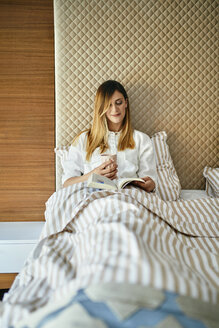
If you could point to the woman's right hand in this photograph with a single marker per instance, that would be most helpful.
(107, 169)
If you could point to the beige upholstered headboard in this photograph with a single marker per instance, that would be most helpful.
(163, 52)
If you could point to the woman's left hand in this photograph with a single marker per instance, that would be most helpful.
(148, 185)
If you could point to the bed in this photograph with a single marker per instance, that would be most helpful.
(130, 258)
(123, 258)
(120, 259)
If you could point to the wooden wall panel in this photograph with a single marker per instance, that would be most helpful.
(27, 169)
(6, 280)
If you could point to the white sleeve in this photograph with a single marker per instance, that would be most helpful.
(147, 164)
(72, 160)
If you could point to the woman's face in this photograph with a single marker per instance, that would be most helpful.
(116, 112)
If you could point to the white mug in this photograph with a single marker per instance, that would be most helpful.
(107, 157)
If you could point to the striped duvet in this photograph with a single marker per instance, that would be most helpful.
(128, 236)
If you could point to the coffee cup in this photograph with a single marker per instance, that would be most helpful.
(107, 157)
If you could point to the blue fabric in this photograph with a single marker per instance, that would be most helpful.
(142, 317)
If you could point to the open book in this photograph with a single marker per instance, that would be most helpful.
(101, 182)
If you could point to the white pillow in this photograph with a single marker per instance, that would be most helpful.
(212, 181)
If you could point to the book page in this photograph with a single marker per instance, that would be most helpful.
(121, 183)
(100, 182)
(104, 180)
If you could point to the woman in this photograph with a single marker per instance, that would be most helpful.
(111, 133)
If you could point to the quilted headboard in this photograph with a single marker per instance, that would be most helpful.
(163, 52)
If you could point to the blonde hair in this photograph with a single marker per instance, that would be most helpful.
(97, 134)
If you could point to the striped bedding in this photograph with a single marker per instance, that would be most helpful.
(130, 236)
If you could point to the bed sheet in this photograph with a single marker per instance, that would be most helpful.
(187, 194)
(97, 237)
